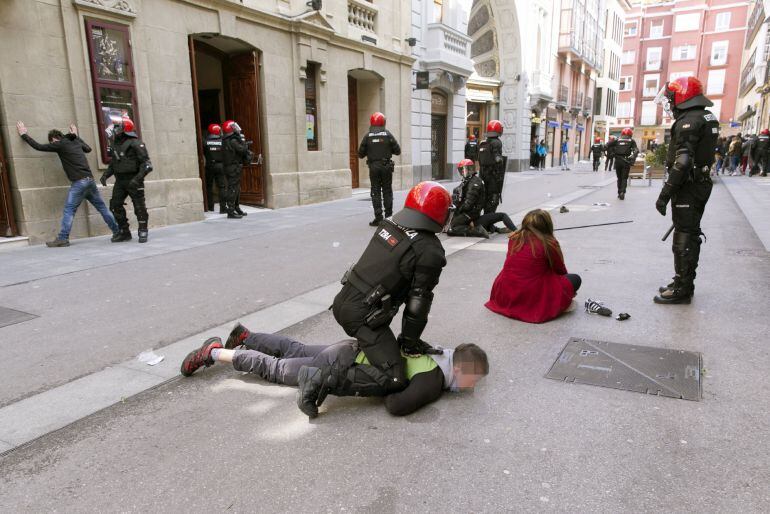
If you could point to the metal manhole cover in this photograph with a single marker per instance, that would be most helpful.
(11, 316)
(644, 369)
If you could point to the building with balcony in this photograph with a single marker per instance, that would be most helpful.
(301, 83)
(667, 40)
(442, 67)
(752, 94)
(608, 82)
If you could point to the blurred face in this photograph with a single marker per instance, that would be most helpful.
(467, 376)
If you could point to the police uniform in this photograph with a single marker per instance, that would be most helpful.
(212, 151)
(492, 171)
(597, 149)
(469, 199)
(378, 146)
(610, 152)
(625, 151)
(760, 153)
(235, 153)
(472, 150)
(691, 153)
(399, 265)
(130, 163)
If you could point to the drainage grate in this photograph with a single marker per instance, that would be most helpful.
(644, 369)
(11, 316)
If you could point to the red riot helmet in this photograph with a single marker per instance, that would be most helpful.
(124, 125)
(377, 119)
(765, 132)
(598, 140)
(230, 126)
(680, 94)
(627, 132)
(466, 168)
(215, 129)
(472, 137)
(426, 208)
(494, 128)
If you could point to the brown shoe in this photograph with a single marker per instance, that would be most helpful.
(57, 243)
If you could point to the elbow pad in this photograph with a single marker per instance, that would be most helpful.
(681, 168)
(416, 314)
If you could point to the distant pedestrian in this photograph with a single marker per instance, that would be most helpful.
(542, 151)
(564, 151)
(71, 151)
(734, 152)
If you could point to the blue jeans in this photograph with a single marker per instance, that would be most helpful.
(79, 190)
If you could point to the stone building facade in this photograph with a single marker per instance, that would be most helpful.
(301, 83)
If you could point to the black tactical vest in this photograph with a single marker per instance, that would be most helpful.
(124, 159)
(762, 145)
(486, 154)
(379, 264)
(596, 148)
(212, 150)
(700, 129)
(624, 147)
(378, 145)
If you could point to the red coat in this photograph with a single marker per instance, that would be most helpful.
(528, 288)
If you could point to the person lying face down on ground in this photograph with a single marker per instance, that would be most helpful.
(340, 369)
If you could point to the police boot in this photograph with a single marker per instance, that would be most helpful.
(240, 212)
(143, 233)
(622, 195)
(122, 235)
(231, 214)
(376, 221)
(478, 231)
(676, 295)
(685, 252)
(310, 381)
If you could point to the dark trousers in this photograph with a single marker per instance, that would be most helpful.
(597, 162)
(278, 358)
(215, 174)
(120, 192)
(687, 208)
(381, 178)
(493, 183)
(233, 178)
(609, 162)
(575, 280)
(488, 220)
(621, 171)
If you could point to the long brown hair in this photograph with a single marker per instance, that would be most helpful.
(538, 225)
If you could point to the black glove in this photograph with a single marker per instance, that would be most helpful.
(135, 184)
(103, 179)
(660, 205)
(417, 347)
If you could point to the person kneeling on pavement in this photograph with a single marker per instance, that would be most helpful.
(469, 199)
(319, 370)
(534, 285)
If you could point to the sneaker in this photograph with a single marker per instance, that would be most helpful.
(57, 243)
(597, 307)
(309, 380)
(200, 357)
(236, 337)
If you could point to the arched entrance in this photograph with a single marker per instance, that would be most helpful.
(364, 98)
(226, 85)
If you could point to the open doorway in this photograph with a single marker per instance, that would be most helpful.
(226, 86)
(438, 134)
(7, 222)
(364, 98)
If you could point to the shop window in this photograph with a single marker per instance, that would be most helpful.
(112, 77)
(311, 106)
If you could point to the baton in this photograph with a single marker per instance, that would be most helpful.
(595, 225)
(668, 233)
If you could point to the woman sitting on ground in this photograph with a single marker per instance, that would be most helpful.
(534, 285)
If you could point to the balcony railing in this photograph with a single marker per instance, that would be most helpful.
(361, 16)
(563, 95)
(588, 105)
(448, 49)
(577, 100)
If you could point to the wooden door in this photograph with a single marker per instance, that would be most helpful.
(196, 107)
(7, 221)
(242, 80)
(353, 128)
(438, 146)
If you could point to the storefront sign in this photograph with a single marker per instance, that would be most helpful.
(580, 128)
(423, 80)
(566, 126)
(553, 124)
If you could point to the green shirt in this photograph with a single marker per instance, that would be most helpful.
(414, 365)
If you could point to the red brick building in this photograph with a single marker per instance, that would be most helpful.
(666, 40)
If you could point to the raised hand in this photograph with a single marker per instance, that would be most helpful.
(21, 128)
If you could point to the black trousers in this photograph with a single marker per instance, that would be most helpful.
(575, 280)
(233, 178)
(687, 208)
(120, 192)
(215, 174)
(621, 171)
(597, 162)
(493, 183)
(381, 178)
(609, 162)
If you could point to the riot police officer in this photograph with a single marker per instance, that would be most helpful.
(691, 153)
(625, 152)
(469, 199)
(472, 148)
(761, 151)
(212, 151)
(492, 165)
(130, 163)
(378, 146)
(235, 154)
(597, 149)
(609, 151)
(401, 265)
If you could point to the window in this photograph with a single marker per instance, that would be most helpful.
(624, 109)
(311, 106)
(683, 53)
(723, 21)
(651, 85)
(716, 110)
(653, 58)
(626, 83)
(629, 56)
(719, 53)
(649, 113)
(680, 74)
(438, 11)
(716, 82)
(632, 28)
(112, 75)
(612, 103)
(685, 22)
(656, 28)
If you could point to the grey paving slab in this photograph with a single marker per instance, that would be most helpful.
(752, 195)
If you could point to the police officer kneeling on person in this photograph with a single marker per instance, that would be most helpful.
(625, 151)
(492, 166)
(690, 155)
(130, 163)
(212, 151)
(401, 265)
(378, 146)
(468, 199)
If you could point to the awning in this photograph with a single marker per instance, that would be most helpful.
(479, 95)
